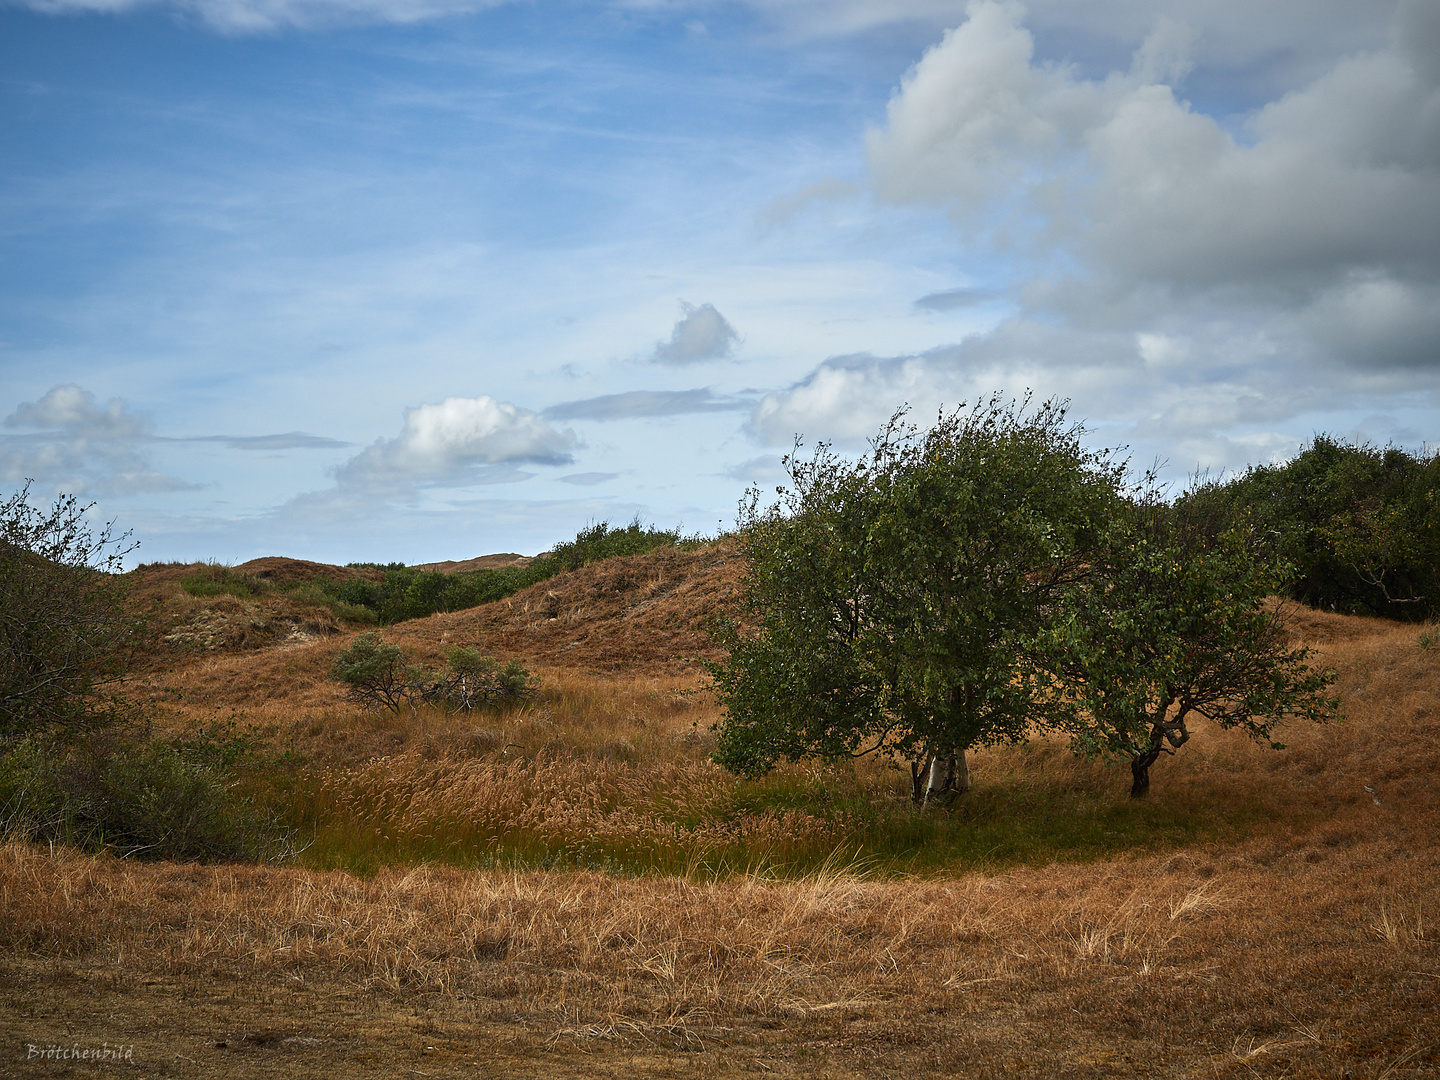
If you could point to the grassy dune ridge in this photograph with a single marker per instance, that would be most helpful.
(572, 888)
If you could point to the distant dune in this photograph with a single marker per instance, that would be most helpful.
(482, 562)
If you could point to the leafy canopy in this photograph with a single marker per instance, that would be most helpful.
(1357, 527)
(1172, 624)
(892, 602)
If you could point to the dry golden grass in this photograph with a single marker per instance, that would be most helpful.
(1307, 947)
(1283, 957)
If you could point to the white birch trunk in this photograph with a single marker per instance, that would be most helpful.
(945, 775)
(935, 777)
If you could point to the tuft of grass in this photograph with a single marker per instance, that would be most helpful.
(1428, 637)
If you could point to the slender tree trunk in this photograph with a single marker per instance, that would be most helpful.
(961, 772)
(1140, 765)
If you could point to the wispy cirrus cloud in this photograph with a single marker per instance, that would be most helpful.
(634, 404)
(266, 16)
(588, 479)
(953, 299)
(289, 440)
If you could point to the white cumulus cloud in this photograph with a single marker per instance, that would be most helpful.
(74, 410)
(1340, 176)
(456, 442)
(70, 442)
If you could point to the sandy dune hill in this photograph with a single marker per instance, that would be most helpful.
(641, 614)
(644, 614)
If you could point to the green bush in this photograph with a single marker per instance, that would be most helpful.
(1357, 526)
(410, 593)
(376, 673)
(134, 796)
(599, 541)
(66, 627)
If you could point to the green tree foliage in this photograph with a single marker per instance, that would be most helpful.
(378, 676)
(1358, 526)
(893, 603)
(66, 630)
(1172, 624)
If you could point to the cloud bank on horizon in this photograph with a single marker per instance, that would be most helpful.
(1214, 227)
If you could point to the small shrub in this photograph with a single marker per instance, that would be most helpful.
(474, 681)
(375, 672)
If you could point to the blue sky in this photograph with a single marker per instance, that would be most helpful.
(413, 281)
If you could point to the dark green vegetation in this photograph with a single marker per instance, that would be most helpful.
(1357, 527)
(988, 578)
(409, 593)
(405, 592)
(202, 797)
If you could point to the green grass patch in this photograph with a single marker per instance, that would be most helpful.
(216, 580)
(792, 823)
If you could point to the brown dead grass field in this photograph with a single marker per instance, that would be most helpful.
(1305, 948)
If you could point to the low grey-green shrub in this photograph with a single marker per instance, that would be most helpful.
(378, 675)
(474, 681)
(137, 797)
